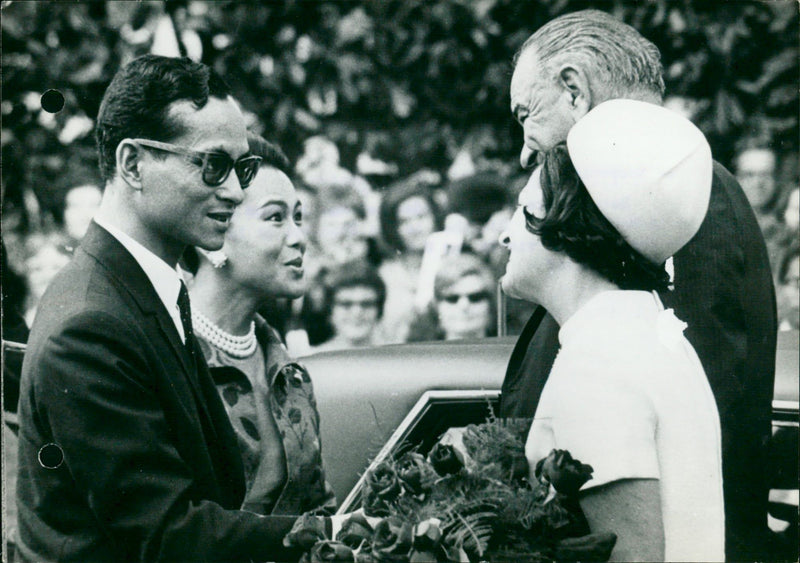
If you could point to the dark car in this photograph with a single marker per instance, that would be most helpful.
(374, 401)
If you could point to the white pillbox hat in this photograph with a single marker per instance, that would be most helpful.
(648, 170)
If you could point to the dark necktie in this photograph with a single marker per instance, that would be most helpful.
(186, 319)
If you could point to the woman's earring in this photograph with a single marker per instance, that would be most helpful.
(217, 258)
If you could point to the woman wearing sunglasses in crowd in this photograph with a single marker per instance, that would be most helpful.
(268, 396)
(463, 302)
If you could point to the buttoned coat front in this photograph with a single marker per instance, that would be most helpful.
(151, 468)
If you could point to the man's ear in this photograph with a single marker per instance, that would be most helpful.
(577, 89)
(129, 156)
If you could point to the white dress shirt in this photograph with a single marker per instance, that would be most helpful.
(165, 279)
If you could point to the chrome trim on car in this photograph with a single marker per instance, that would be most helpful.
(427, 400)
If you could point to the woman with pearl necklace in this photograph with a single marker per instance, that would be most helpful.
(268, 396)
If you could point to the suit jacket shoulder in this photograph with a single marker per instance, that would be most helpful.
(150, 468)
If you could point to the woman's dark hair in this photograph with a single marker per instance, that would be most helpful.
(136, 103)
(396, 195)
(478, 197)
(270, 153)
(354, 274)
(574, 225)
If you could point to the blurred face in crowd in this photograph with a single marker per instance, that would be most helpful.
(528, 261)
(42, 266)
(755, 170)
(174, 205)
(543, 108)
(265, 243)
(792, 214)
(354, 314)
(310, 212)
(789, 294)
(415, 222)
(340, 236)
(80, 206)
(464, 308)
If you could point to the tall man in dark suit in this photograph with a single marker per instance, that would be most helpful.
(722, 283)
(126, 452)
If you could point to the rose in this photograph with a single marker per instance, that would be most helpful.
(567, 475)
(564, 517)
(518, 466)
(383, 481)
(355, 531)
(428, 534)
(445, 459)
(382, 488)
(306, 531)
(373, 505)
(328, 550)
(393, 540)
(415, 474)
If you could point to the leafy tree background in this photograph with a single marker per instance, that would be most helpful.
(410, 82)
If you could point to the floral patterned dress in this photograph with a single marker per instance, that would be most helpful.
(274, 414)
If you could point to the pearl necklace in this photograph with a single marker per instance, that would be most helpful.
(234, 346)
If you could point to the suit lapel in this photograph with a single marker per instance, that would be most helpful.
(127, 273)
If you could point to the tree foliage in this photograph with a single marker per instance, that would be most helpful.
(407, 81)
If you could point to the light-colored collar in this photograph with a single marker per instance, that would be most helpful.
(165, 279)
(607, 308)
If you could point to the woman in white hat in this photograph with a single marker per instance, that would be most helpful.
(627, 393)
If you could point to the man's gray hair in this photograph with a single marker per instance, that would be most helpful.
(614, 52)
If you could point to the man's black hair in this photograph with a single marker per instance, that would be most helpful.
(136, 103)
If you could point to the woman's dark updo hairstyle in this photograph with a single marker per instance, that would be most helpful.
(573, 224)
(270, 153)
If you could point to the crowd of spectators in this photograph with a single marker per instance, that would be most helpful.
(385, 258)
(777, 208)
(385, 180)
(414, 259)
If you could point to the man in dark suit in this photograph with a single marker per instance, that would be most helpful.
(722, 283)
(125, 450)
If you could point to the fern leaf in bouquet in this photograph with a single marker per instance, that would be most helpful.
(472, 498)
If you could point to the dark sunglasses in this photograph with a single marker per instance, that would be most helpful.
(216, 165)
(474, 297)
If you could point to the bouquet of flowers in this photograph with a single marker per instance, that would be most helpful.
(469, 499)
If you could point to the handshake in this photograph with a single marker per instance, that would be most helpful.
(459, 504)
